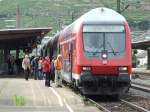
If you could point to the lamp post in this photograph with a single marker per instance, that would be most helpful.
(148, 58)
(118, 6)
(18, 17)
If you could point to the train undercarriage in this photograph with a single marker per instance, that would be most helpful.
(104, 84)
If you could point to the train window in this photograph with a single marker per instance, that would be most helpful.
(61, 49)
(115, 42)
(103, 28)
(67, 65)
(95, 41)
(74, 44)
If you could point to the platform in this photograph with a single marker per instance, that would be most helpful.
(140, 70)
(19, 95)
(141, 76)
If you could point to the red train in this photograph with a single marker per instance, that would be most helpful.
(96, 51)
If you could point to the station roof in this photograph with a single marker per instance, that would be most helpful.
(142, 41)
(21, 38)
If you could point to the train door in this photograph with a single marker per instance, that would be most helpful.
(66, 51)
(70, 59)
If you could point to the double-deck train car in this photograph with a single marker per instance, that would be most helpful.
(96, 51)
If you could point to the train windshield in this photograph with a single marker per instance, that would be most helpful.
(97, 38)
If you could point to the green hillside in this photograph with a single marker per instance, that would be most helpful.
(55, 13)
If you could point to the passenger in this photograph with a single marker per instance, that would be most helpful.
(17, 65)
(46, 70)
(40, 75)
(43, 67)
(52, 70)
(34, 64)
(9, 64)
(13, 64)
(26, 66)
(58, 67)
(31, 59)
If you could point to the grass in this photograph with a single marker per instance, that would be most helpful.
(19, 100)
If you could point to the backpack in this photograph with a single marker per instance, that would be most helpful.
(58, 65)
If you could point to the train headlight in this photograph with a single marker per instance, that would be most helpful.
(123, 68)
(104, 56)
(86, 68)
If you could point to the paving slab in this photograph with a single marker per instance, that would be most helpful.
(19, 95)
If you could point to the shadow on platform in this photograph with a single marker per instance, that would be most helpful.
(6, 75)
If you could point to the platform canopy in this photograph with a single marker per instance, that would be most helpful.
(142, 42)
(22, 38)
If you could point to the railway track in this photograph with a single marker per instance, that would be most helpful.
(141, 87)
(122, 105)
(139, 77)
(131, 103)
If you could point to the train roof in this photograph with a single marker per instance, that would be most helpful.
(103, 15)
(99, 15)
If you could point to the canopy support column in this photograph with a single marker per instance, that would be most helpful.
(148, 58)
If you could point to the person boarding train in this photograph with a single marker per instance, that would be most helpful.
(58, 67)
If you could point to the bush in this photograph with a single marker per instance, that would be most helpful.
(144, 25)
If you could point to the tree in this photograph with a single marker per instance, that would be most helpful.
(144, 25)
(122, 5)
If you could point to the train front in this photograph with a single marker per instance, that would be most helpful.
(106, 58)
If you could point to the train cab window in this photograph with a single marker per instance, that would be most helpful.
(112, 39)
(99, 38)
(93, 42)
